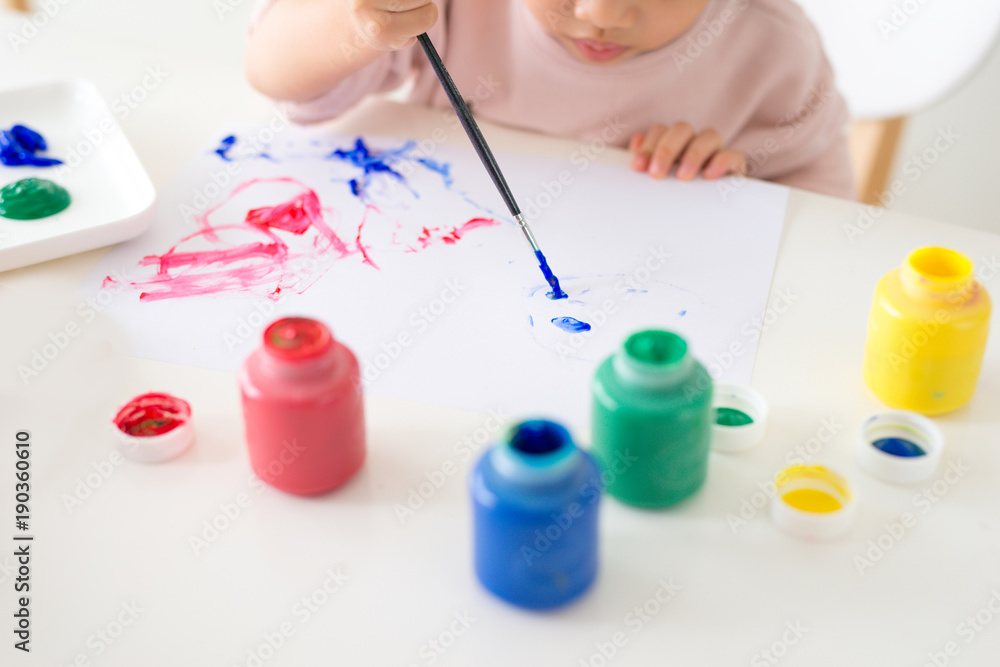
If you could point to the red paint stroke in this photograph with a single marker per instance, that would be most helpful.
(152, 414)
(254, 254)
(449, 235)
(357, 241)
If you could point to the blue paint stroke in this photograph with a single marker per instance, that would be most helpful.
(18, 146)
(899, 447)
(683, 313)
(442, 168)
(531, 320)
(550, 278)
(224, 146)
(372, 164)
(570, 324)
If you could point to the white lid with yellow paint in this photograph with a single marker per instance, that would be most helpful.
(813, 502)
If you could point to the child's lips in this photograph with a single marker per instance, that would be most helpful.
(598, 51)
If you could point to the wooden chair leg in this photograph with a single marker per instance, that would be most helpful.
(873, 145)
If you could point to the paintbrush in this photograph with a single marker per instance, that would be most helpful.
(486, 155)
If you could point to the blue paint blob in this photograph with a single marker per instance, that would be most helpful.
(550, 278)
(373, 163)
(899, 447)
(683, 313)
(224, 146)
(18, 146)
(570, 324)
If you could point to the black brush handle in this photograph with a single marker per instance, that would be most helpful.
(469, 123)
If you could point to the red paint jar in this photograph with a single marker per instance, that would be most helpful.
(302, 408)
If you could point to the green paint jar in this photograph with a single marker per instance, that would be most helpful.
(652, 417)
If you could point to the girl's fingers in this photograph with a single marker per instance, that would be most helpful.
(635, 142)
(726, 162)
(645, 147)
(698, 153)
(670, 146)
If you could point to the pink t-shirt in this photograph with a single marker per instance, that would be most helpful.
(752, 69)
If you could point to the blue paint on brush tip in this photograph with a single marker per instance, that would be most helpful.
(550, 278)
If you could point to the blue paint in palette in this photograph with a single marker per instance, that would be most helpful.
(570, 324)
(550, 278)
(18, 146)
(224, 146)
(899, 447)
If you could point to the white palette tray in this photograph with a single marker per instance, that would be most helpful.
(111, 194)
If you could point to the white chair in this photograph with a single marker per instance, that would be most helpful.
(894, 58)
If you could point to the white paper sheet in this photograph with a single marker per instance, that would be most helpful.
(436, 308)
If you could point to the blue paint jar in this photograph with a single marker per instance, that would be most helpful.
(535, 497)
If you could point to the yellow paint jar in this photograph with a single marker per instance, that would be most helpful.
(927, 333)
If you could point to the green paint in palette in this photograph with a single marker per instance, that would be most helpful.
(732, 417)
(32, 198)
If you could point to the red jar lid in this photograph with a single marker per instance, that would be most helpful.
(297, 339)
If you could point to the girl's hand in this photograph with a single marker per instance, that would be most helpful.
(662, 147)
(389, 25)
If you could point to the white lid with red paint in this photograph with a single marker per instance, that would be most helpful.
(154, 427)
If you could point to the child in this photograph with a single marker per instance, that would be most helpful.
(711, 87)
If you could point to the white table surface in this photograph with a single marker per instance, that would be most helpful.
(128, 542)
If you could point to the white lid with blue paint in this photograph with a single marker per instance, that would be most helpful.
(739, 417)
(899, 446)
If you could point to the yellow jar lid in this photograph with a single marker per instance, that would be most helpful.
(813, 502)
